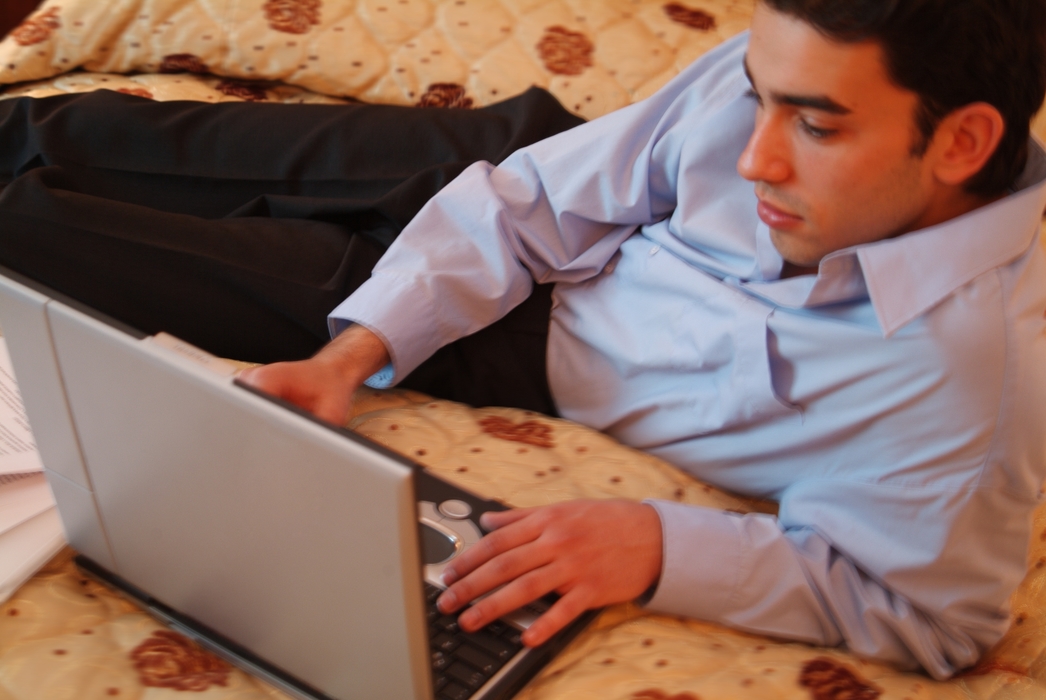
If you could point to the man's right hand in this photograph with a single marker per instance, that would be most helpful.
(325, 383)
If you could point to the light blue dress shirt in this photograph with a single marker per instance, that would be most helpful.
(895, 404)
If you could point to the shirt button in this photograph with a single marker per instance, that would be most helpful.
(653, 251)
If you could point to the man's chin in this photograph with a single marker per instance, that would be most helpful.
(793, 251)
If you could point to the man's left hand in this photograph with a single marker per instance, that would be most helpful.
(592, 553)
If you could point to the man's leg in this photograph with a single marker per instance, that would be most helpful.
(237, 226)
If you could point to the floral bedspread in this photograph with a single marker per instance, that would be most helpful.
(595, 56)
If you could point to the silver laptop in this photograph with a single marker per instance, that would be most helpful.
(300, 551)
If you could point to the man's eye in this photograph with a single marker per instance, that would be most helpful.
(816, 132)
(753, 95)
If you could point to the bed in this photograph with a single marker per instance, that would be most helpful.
(64, 636)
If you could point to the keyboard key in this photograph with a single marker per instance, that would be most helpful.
(447, 623)
(513, 636)
(497, 627)
(466, 675)
(537, 608)
(455, 692)
(444, 642)
(438, 682)
(474, 657)
(439, 661)
(498, 648)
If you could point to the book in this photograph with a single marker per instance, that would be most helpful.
(24, 549)
(18, 454)
(30, 529)
(22, 497)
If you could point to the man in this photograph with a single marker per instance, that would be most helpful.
(819, 282)
(870, 355)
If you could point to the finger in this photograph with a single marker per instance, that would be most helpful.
(271, 379)
(490, 546)
(258, 377)
(562, 613)
(522, 590)
(492, 520)
(502, 569)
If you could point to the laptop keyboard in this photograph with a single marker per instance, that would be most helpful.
(463, 662)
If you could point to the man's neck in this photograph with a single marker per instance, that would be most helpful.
(790, 270)
(951, 205)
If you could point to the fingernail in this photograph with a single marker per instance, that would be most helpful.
(447, 601)
(448, 576)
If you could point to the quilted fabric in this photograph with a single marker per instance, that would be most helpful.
(179, 86)
(593, 55)
(64, 637)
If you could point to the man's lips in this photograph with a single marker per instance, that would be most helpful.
(777, 218)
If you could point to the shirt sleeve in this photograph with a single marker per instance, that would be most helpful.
(787, 577)
(909, 548)
(555, 211)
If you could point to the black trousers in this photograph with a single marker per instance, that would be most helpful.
(238, 227)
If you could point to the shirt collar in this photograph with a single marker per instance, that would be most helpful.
(908, 275)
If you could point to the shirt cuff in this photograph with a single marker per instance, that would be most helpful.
(382, 379)
(741, 570)
(703, 556)
(398, 313)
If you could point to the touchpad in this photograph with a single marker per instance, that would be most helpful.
(435, 545)
(446, 531)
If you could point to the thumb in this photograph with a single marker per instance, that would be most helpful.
(334, 408)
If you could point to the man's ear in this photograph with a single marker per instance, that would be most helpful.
(965, 140)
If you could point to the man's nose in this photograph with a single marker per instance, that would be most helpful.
(766, 157)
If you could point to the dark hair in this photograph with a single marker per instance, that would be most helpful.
(952, 53)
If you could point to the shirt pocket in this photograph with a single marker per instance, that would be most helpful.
(658, 351)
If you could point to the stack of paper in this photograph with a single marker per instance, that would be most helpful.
(30, 530)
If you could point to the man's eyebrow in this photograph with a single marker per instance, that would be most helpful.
(821, 103)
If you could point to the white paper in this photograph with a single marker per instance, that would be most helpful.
(22, 499)
(24, 549)
(17, 448)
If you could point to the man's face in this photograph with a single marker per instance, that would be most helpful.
(831, 154)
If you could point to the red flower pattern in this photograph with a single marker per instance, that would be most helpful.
(448, 95)
(828, 679)
(37, 29)
(689, 16)
(292, 16)
(170, 660)
(182, 63)
(530, 432)
(565, 52)
(252, 92)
